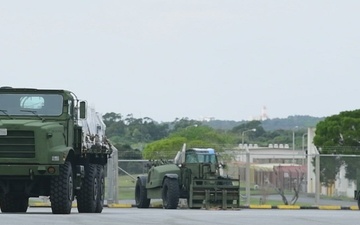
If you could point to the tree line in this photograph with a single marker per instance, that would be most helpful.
(144, 138)
(137, 138)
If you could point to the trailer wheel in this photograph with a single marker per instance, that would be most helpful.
(87, 196)
(61, 190)
(141, 199)
(170, 193)
(101, 190)
(13, 203)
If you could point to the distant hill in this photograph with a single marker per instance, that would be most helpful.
(290, 122)
(302, 122)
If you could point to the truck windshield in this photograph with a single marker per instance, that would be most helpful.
(200, 157)
(207, 158)
(31, 104)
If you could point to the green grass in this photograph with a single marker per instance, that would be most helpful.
(126, 187)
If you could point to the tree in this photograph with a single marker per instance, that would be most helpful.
(339, 134)
(184, 123)
(249, 125)
(130, 130)
(163, 149)
(204, 133)
(259, 134)
(125, 151)
(114, 124)
(111, 117)
(193, 136)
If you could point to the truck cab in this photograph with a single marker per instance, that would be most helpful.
(48, 144)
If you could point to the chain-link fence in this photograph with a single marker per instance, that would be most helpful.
(272, 176)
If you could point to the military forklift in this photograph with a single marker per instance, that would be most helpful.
(194, 175)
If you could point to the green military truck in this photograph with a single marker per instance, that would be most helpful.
(51, 144)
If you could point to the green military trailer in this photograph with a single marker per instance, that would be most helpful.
(51, 144)
(195, 175)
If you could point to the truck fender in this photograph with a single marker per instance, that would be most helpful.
(143, 180)
(171, 176)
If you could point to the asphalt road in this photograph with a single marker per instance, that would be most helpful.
(303, 199)
(159, 216)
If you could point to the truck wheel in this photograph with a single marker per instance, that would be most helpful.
(141, 199)
(88, 194)
(62, 190)
(170, 193)
(23, 203)
(13, 203)
(101, 190)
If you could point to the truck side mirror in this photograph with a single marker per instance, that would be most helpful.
(82, 110)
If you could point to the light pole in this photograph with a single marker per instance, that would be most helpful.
(303, 141)
(303, 147)
(247, 170)
(243, 134)
(293, 144)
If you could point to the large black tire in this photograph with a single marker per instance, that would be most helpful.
(23, 203)
(62, 190)
(101, 189)
(87, 196)
(141, 199)
(170, 193)
(11, 203)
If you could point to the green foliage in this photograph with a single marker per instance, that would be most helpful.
(140, 132)
(339, 131)
(110, 118)
(193, 136)
(127, 152)
(249, 125)
(339, 134)
(330, 166)
(257, 136)
(132, 154)
(164, 149)
(130, 130)
(184, 123)
(203, 133)
(222, 124)
(352, 167)
(302, 122)
(204, 144)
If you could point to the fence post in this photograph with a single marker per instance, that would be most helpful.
(317, 178)
(112, 177)
(357, 189)
(247, 176)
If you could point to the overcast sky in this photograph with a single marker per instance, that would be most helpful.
(168, 59)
